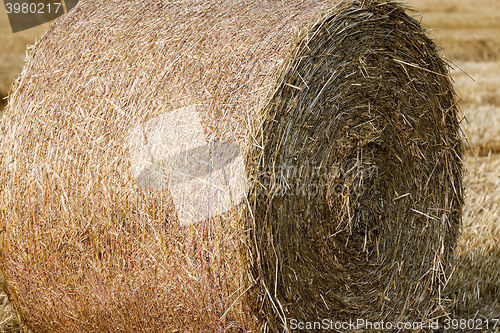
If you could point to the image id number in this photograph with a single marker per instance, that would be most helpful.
(32, 8)
(470, 324)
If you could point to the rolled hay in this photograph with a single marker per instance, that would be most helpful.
(341, 114)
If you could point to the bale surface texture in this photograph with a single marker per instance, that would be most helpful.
(345, 119)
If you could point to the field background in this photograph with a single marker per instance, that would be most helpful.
(469, 31)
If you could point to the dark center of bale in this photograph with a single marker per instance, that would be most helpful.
(357, 199)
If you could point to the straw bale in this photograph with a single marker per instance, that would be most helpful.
(342, 114)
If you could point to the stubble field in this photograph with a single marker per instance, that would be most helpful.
(468, 30)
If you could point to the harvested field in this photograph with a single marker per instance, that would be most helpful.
(467, 29)
(481, 104)
(475, 286)
(13, 53)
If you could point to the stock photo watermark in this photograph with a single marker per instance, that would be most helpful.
(478, 323)
(309, 180)
(25, 14)
(207, 179)
(358, 324)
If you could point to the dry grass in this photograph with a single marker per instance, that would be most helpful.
(478, 83)
(483, 129)
(475, 286)
(467, 29)
(481, 104)
(13, 52)
(8, 320)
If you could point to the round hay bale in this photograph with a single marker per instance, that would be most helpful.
(228, 165)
